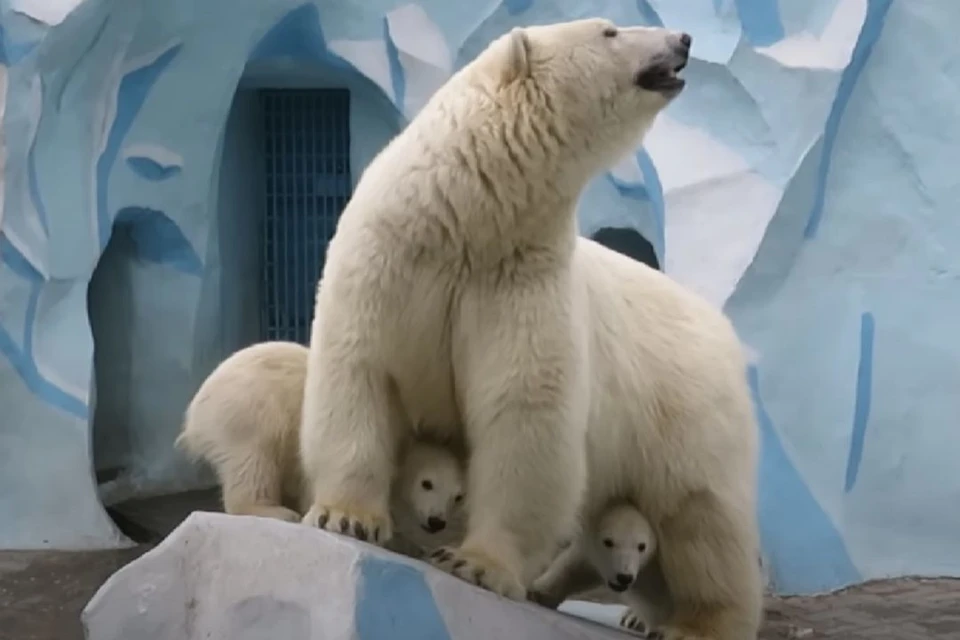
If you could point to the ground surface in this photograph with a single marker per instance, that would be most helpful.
(42, 593)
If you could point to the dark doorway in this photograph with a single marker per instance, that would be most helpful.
(307, 162)
(630, 243)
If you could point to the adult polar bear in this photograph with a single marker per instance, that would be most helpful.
(456, 291)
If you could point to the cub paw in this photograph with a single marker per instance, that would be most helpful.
(635, 622)
(276, 513)
(364, 526)
(670, 633)
(479, 569)
(544, 599)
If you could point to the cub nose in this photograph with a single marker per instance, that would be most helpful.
(435, 524)
(624, 579)
(686, 40)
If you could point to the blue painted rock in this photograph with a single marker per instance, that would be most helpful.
(245, 578)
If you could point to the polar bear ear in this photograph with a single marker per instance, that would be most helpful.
(516, 63)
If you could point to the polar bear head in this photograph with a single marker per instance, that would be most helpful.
(593, 85)
(431, 485)
(621, 544)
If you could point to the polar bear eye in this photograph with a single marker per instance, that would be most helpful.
(427, 485)
(610, 32)
(458, 498)
(642, 547)
(608, 543)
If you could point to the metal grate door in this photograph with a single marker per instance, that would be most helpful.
(307, 153)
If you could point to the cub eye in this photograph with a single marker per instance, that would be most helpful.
(610, 32)
(427, 485)
(607, 542)
(458, 498)
(642, 547)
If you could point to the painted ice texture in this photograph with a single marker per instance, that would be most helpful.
(805, 181)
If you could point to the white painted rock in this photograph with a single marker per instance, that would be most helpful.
(220, 577)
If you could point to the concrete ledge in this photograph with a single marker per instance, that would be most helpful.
(243, 578)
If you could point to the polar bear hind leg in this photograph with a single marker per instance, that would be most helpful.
(709, 557)
(253, 486)
(251, 480)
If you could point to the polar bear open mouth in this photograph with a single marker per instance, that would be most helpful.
(662, 77)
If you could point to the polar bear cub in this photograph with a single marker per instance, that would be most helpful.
(450, 294)
(245, 422)
(620, 551)
(623, 550)
(428, 496)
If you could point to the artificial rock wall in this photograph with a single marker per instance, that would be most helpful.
(805, 181)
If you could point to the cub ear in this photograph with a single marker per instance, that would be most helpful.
(516, 62)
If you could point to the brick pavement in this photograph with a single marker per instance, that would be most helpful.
(42, 593)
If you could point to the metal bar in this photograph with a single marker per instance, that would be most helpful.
(307, 141)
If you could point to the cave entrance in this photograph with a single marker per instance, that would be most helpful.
(629, 242)
(283, 180)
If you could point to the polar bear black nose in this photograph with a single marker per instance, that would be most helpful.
(686, 40)
(624, 579)
(435, 524)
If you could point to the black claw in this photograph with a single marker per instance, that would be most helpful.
(478, 577)
(323, 519)
(360, 532)
(344, 524)
(441, 555)
(376, 534)
(458, 564)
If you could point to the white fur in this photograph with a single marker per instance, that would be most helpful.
(619, 550)
(244, 421)
(428, 494)
(449, 294)
(672, 428)
(456, 292)
(619, 545)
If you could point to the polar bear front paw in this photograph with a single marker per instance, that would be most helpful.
(479, 569)
(364, 526)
